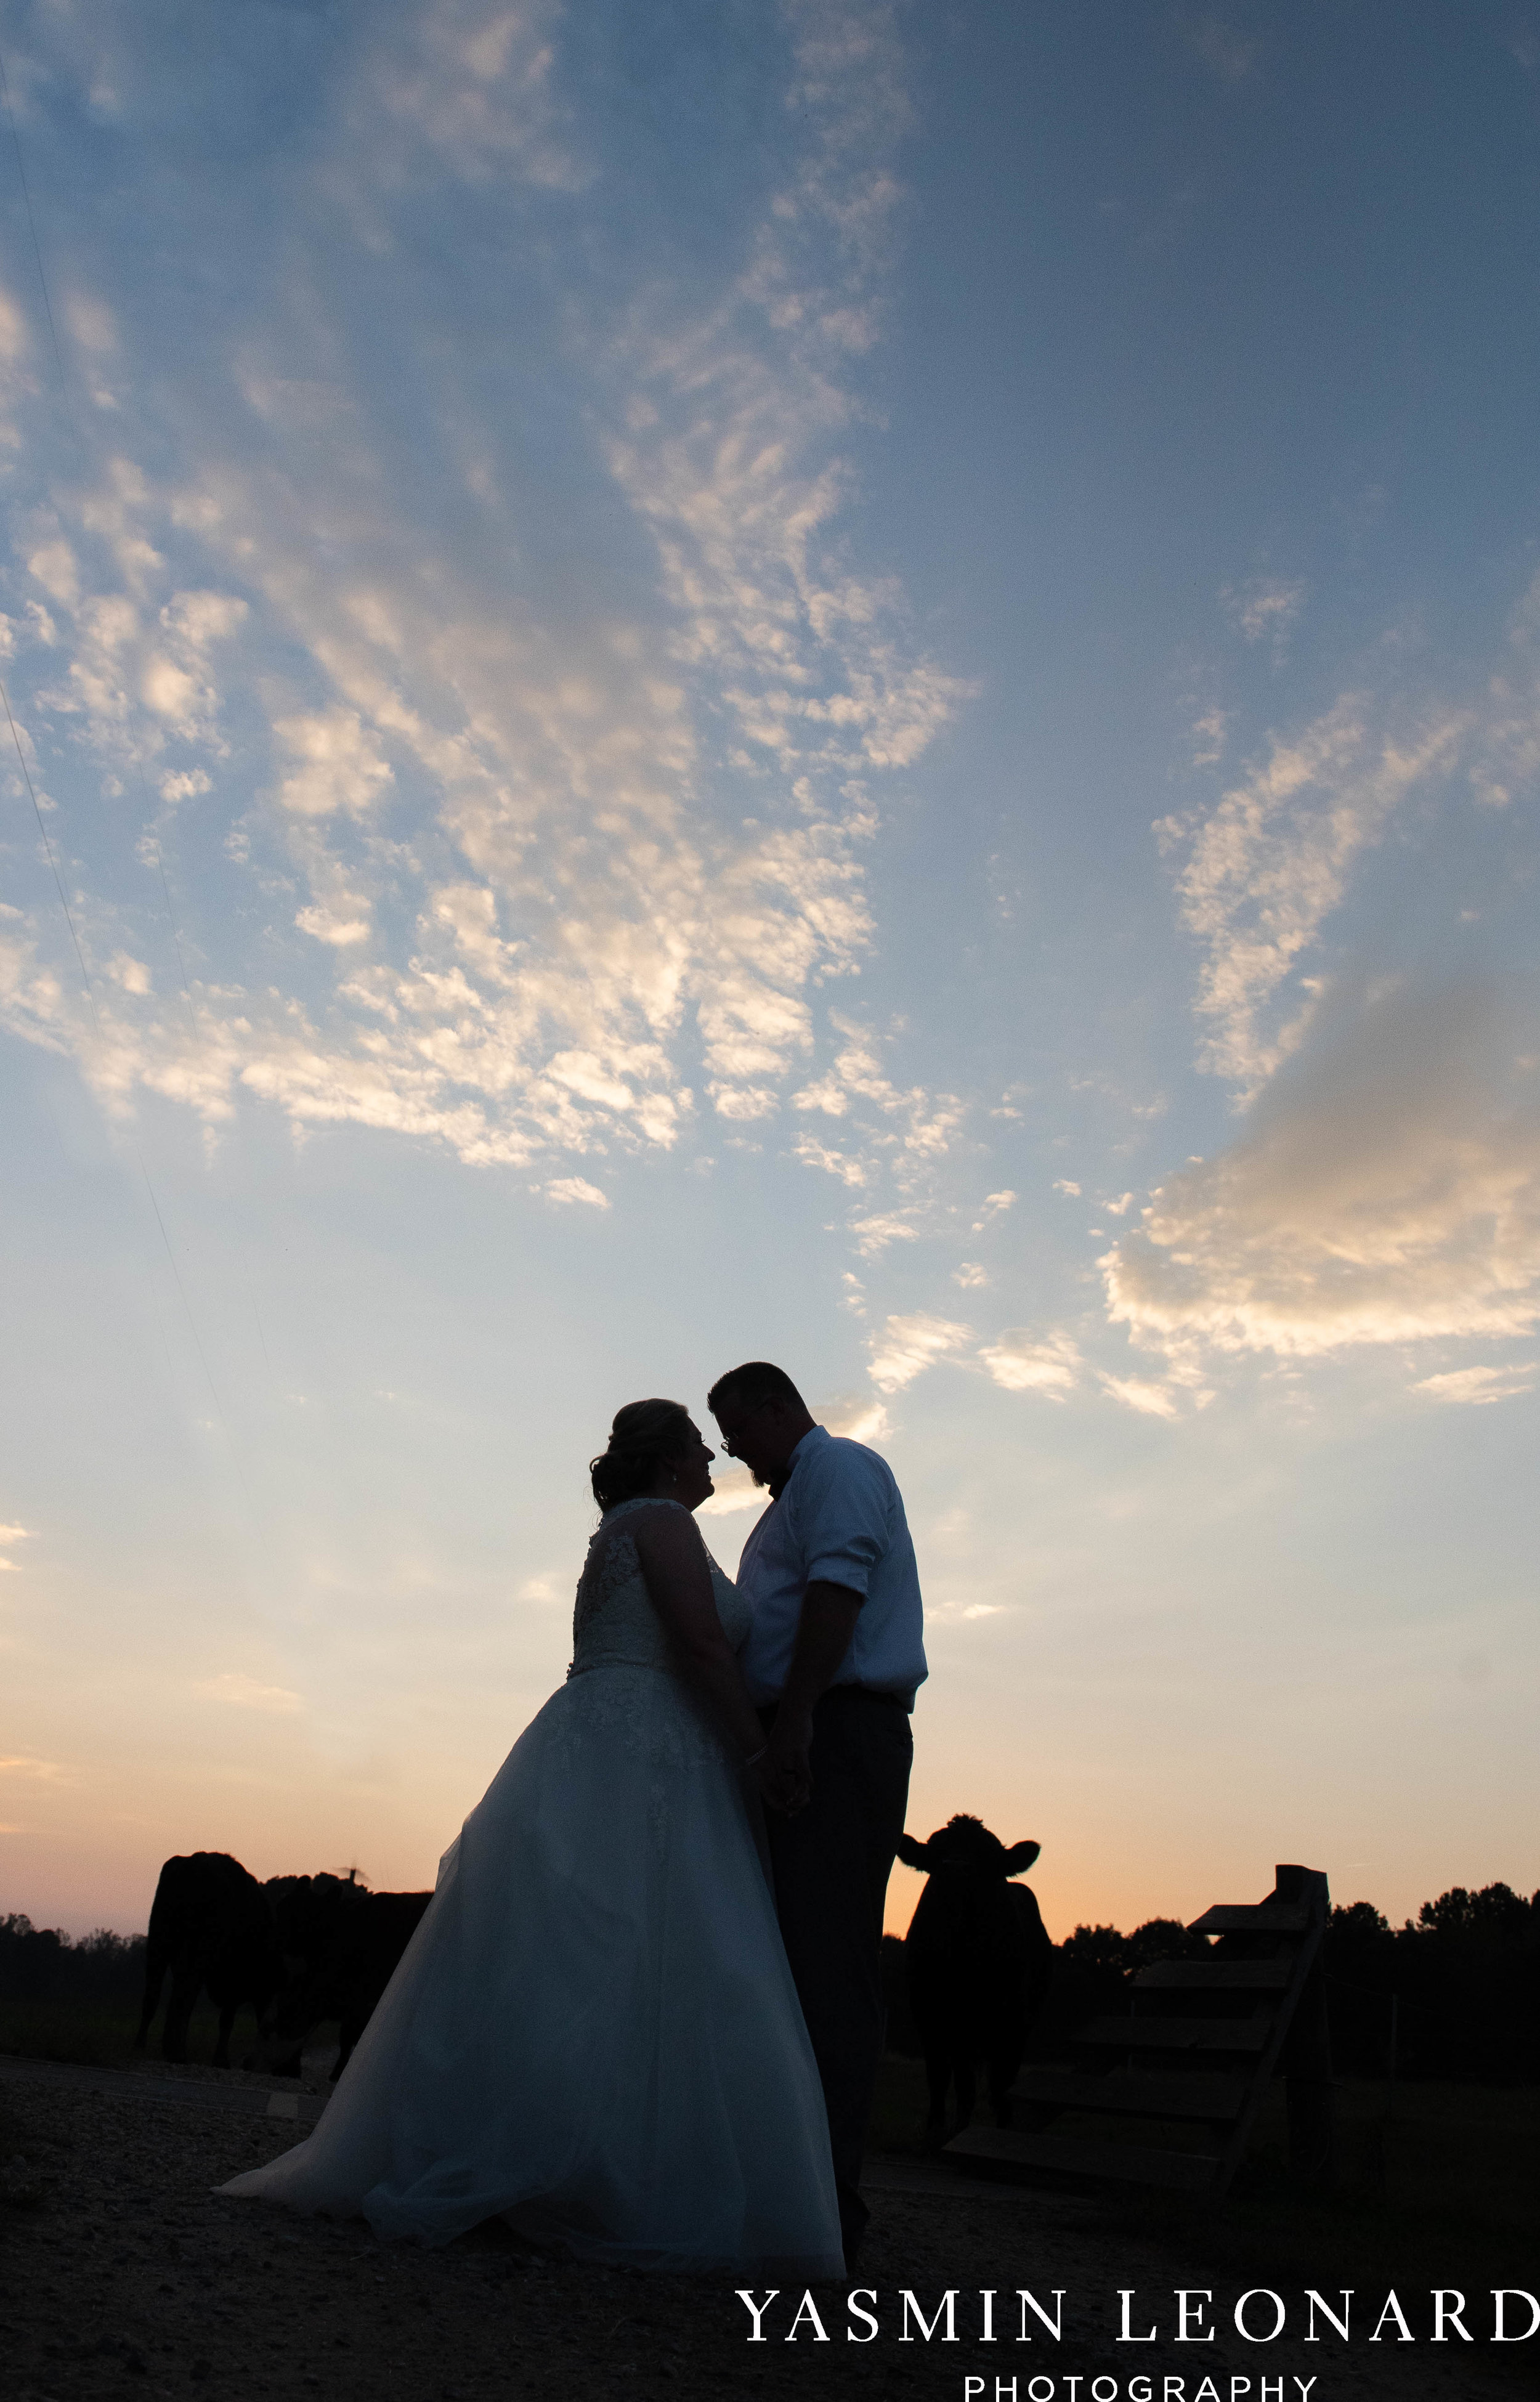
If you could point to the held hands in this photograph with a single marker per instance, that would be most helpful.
(824, 1631)
(785, 1776)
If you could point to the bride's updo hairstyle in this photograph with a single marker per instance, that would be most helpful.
(645, 1436)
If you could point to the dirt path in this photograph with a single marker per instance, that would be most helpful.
(121, 2274)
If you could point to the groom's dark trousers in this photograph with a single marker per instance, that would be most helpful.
(832, 1862)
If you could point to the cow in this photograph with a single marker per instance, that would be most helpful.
(209, 1927)
(978, 1959)
(340, 1946)
(306, 1915)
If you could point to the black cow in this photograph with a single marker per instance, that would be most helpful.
(978, 1958)
(307, 1912)
(208, 1927)
(340, 1946)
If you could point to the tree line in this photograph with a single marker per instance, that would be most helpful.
(40, 1963)
(1454, 1993)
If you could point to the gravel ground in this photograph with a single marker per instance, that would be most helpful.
(122, 2274)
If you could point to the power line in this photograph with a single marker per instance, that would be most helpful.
(192, 1322)
(37, 254)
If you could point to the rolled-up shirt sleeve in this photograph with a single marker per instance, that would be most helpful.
(844, 1521)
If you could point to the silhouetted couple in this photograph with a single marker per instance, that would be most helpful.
(642, 2014)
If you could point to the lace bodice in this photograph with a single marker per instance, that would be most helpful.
(615, 1623)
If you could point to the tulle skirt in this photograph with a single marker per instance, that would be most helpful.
(593, 2030)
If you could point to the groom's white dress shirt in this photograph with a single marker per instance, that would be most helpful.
(839, 1518)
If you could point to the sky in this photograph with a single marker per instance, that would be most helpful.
(849, 682)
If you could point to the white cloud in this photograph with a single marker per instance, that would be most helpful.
(573, 1188)
(133, 975)
(54, 566)
(1271, 862)
(136, 678)
(960, 1613)
(1386, 1187)
(724, 444)
(875, 1233)
(1139, 1393)
(1265, 869)
(1062, 1184)
(970, 1275)
(908, 1346)
(742, 1104)
(995, 1205)
(1209, 734)
(513, 835)
(736, 1490)
(1024, 1362)
(814, 1153)
(458, 88)
(183, 784)
(1478, 1386)
(857, 1416)
(337, 764)
(14, 344)
(1387, 1191)
(1508, 761)
(248, 1694)
(1261, 607)
(903, 1132)
(332, 926)
(176, 676)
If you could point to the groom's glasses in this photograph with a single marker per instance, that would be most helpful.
(730, 1437)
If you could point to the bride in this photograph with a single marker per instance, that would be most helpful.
(593, 2030)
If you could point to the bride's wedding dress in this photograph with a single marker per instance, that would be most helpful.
(593, 2030)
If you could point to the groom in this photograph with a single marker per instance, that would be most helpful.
(833, 1656)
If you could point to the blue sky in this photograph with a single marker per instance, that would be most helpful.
(842, 682)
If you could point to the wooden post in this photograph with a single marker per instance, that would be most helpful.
(1310, 2098)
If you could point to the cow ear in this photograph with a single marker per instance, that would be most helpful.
(913, 1855)
(1019, 1859)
